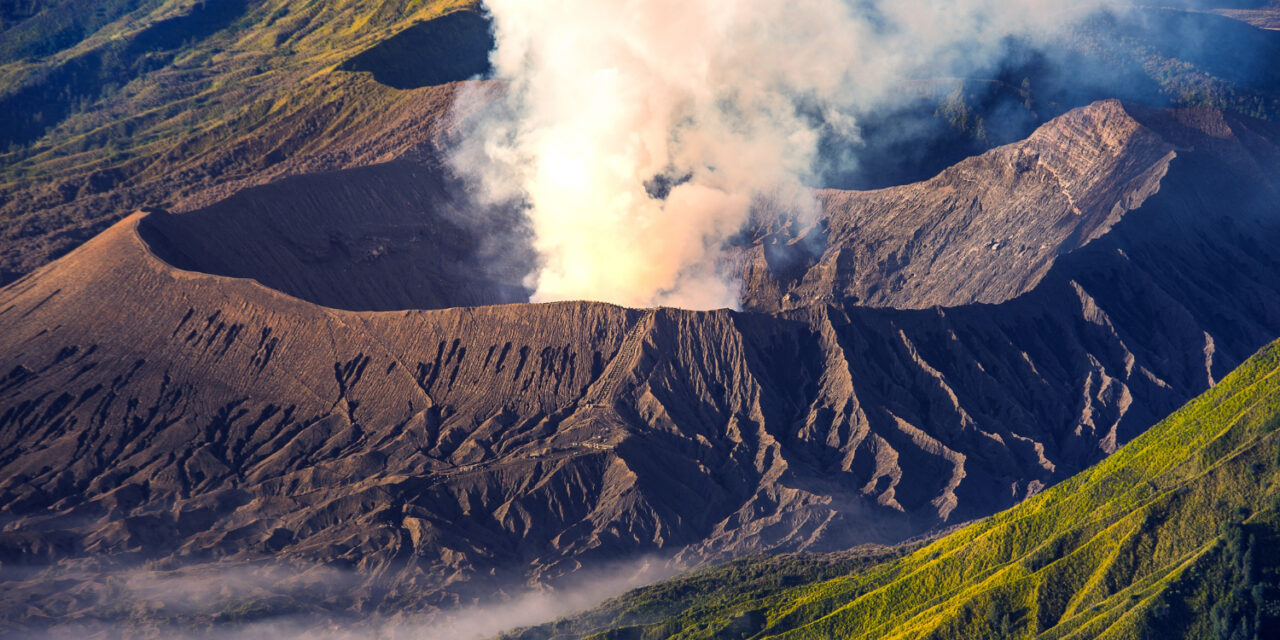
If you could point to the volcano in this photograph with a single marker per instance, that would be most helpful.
(268, 355)
(278, 391)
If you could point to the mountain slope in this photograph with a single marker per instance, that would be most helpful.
(146, 103)
(985, 230)
(397, 235)
(435, 455)
(1172, 536)
(991, 227)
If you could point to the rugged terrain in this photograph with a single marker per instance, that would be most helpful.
(985, 230)
(1175, 536)
(208, 420)
(302, 368)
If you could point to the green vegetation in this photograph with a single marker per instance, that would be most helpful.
(1189, 59)
(118, 104)
(1177, 535)
(734, 586)
(135, 56)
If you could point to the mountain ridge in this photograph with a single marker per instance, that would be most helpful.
(1110, 159)
(1170, 537)
(436, 453)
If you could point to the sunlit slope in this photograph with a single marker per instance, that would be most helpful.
(1175, 535)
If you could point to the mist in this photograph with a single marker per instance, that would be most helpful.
(296, 601)
(640, 136)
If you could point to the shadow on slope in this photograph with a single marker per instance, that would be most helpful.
(450, 48)
(383, 237)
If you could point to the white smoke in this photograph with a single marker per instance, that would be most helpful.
(719, 102)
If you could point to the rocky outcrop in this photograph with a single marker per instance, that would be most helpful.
(985, 230)
(436, 453)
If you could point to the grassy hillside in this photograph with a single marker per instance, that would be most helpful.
(114, 105)
(132, 56)
(1175, 535)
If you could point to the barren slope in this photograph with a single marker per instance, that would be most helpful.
(397, 235)
(985, 230)
(435, 453)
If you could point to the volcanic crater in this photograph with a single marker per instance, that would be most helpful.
(336, 369)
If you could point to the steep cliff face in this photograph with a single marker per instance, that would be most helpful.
(985, 230)
(435, 453)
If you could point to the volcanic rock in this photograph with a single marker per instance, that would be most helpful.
(163, 400)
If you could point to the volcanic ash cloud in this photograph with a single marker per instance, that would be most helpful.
(638, 134)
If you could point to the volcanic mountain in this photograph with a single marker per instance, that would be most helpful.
(121, 104)
(1176, 536)
(279, 382)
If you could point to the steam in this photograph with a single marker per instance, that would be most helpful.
(641, 135)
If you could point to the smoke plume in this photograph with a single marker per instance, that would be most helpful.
(639, 134)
